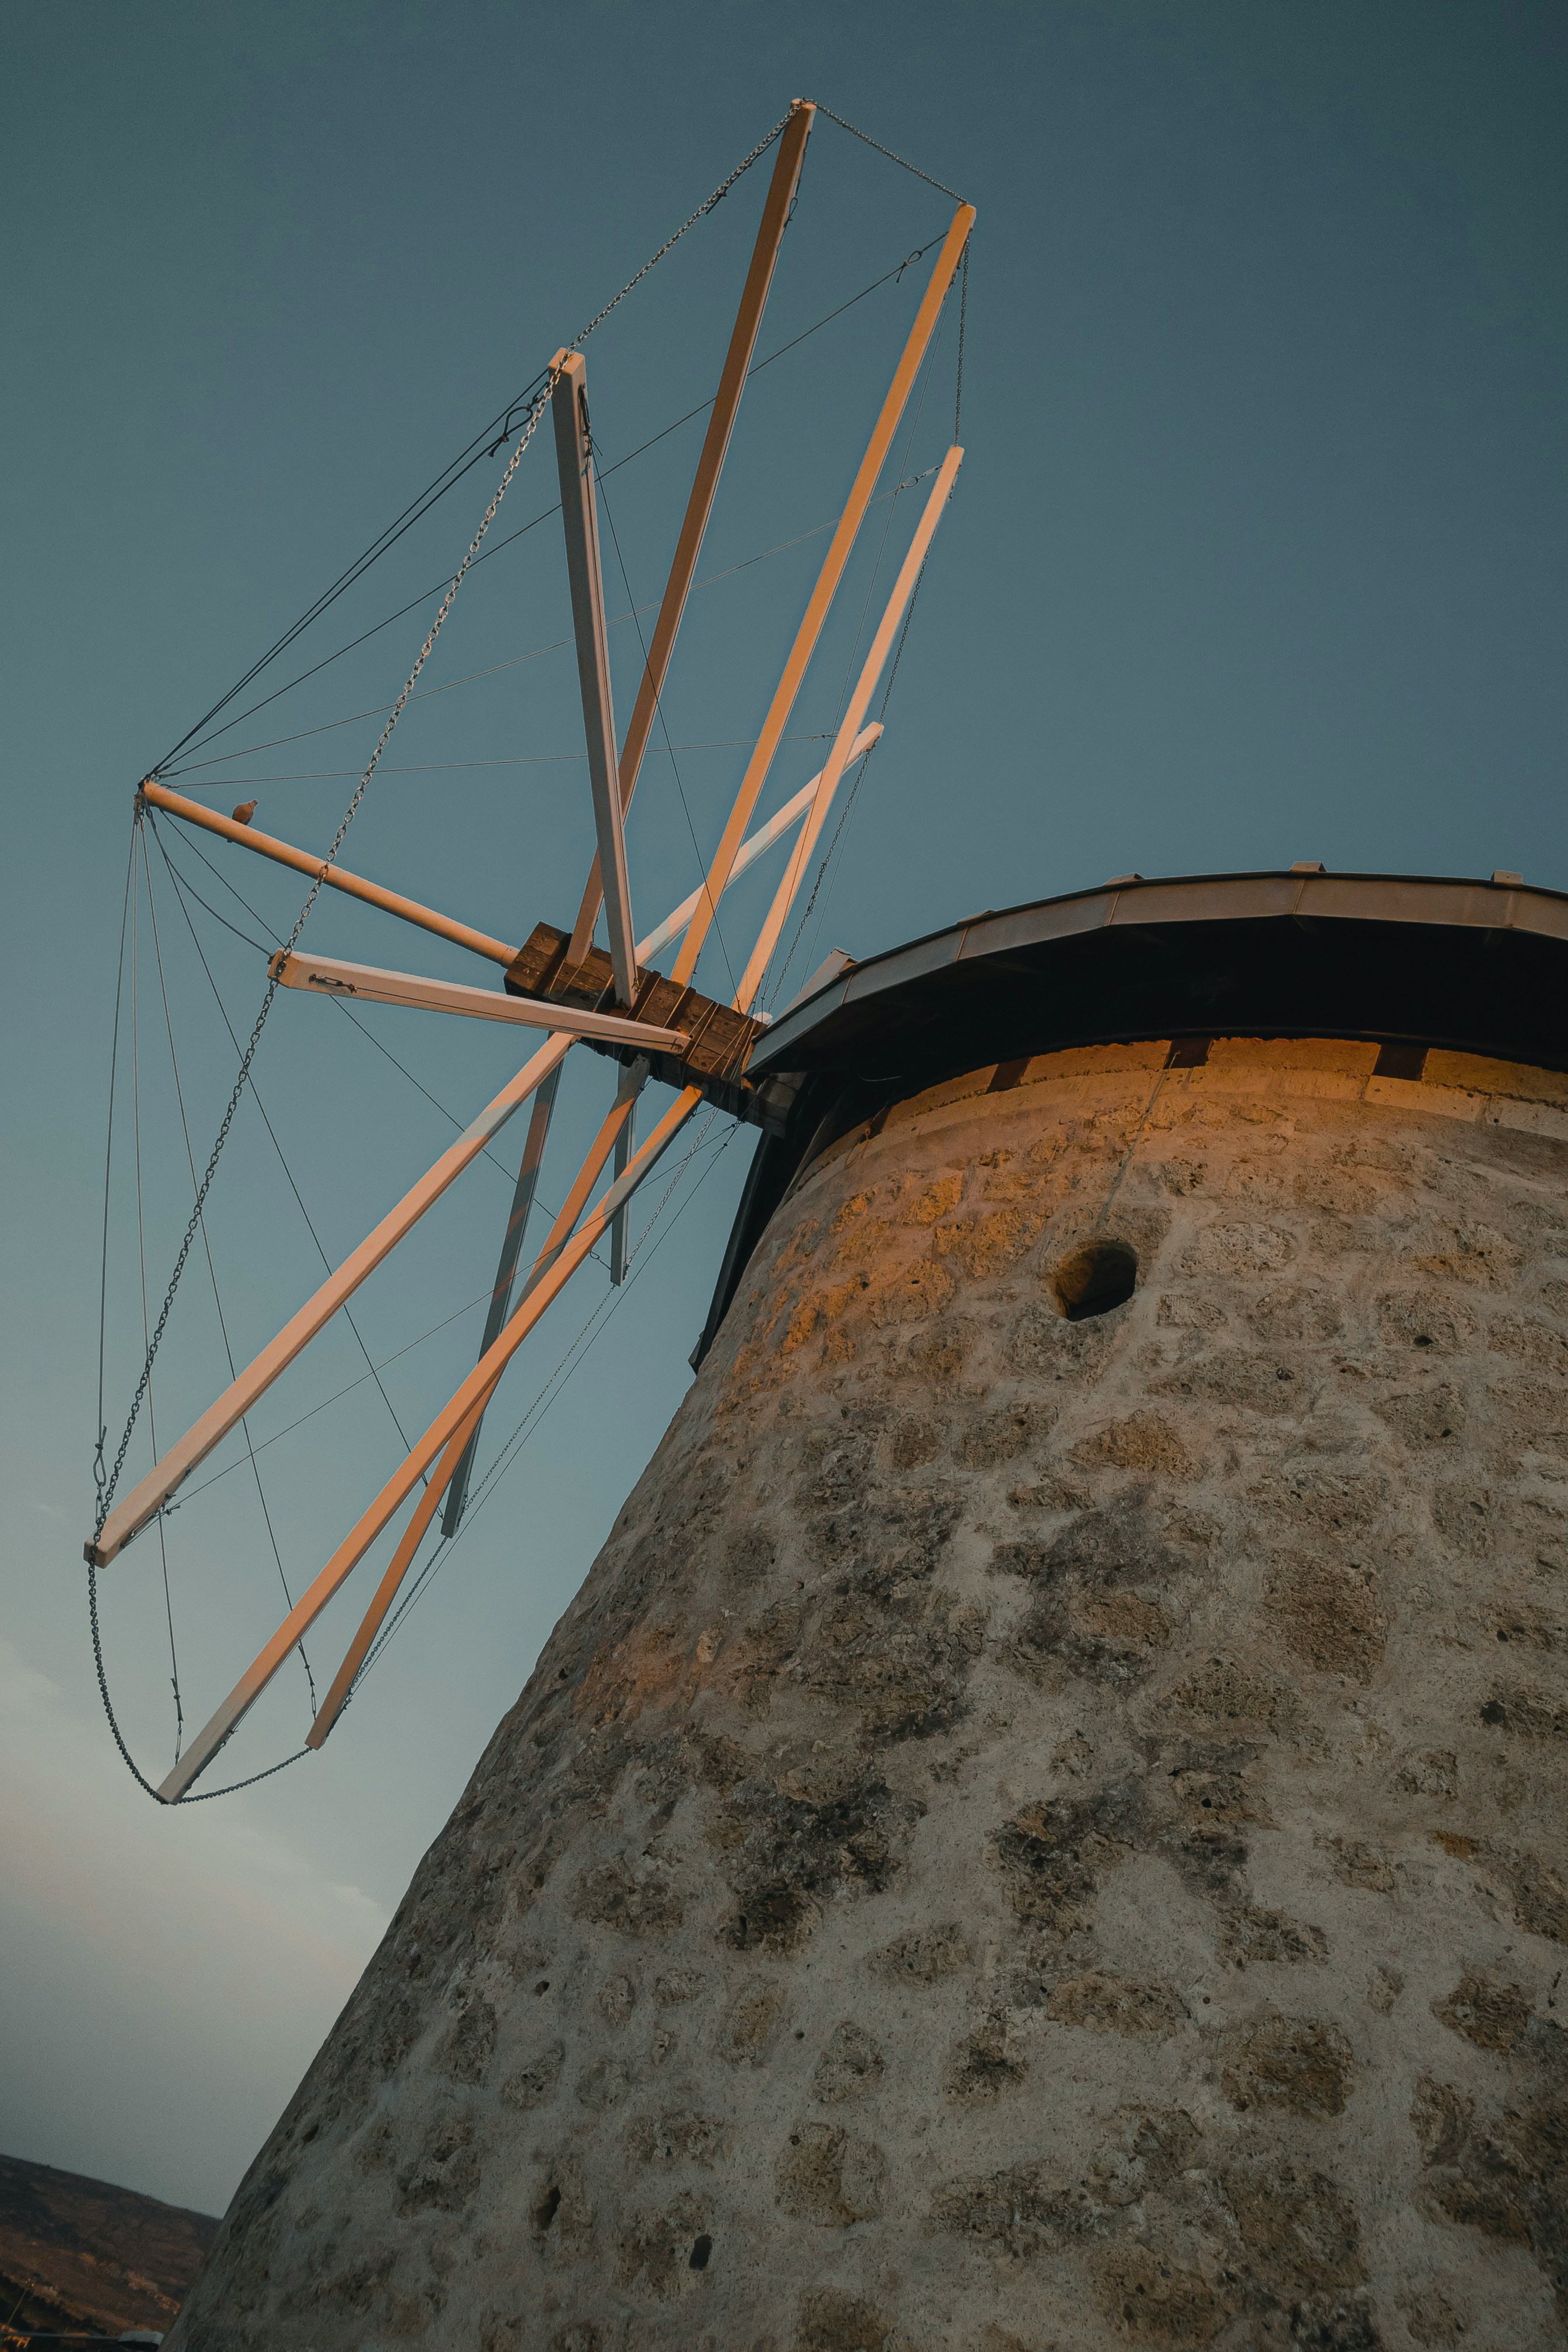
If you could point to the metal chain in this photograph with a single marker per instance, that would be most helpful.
(231, 1789)
(131, 1765)
(98, 1472)
(106, 1494)
(719, 192)
(901, 159)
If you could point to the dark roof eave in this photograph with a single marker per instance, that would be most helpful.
(1172, 910)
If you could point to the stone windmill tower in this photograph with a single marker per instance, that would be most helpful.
(1043, 1826)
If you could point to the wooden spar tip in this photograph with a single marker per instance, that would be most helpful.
(370, 983)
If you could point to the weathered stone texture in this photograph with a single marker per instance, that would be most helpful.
(1035, 1833)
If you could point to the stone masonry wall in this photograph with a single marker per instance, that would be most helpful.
(1036, 1835)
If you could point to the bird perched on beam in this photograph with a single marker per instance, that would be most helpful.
(244, 812)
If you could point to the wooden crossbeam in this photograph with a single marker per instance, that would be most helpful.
(447, 1424)
(330, 976)
(828, 578)
(460, 1445)
(506, 1270)
(752, 849)
(843, 750)
(579, 511)
(705, 482)
(170, 1473)
(354, 885)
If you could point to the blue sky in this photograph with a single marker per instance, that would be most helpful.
(1257, 555)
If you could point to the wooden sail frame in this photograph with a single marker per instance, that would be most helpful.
(174, 1467)
(777, 209)
(451, 1435)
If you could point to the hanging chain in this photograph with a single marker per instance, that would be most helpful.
(99, 1472)
(106, 1493)
(706, 206)
(703, 209)
(130, 1763)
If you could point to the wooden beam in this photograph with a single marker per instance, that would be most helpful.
(460, 1453)
(574, 459)
(842, 751)
(460, 1445)
(511, 1250)
(391, 902)
(452, 1418)
(330, 976)
(147, 1499)
(705, 482)
(633, 1080)
(827, 582)
(583, 1183)
(168, 1475)
(752, 849)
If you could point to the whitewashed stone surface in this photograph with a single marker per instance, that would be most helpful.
(1035, 1835)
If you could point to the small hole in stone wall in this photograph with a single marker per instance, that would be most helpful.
(545, 2213)
(542, 1985)
(700, 2253)
(1095, 1280)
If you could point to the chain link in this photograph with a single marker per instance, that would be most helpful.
(901, 159)
(131, 1765)
(106, 1494)
(718, 196)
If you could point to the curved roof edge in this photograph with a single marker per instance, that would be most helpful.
(1173, 904)
(1407, 961)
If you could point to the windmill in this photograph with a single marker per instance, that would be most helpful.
(657, 1027)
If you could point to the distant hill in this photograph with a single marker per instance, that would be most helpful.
(77, 2254)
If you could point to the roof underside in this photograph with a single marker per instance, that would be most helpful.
(1479, 967)
(1476, 966)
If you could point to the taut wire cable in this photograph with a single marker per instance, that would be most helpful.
(266, 1123)
(425, 594)
(549, 1394)
(106, 1496)
(211, 1272)
(483, 445)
